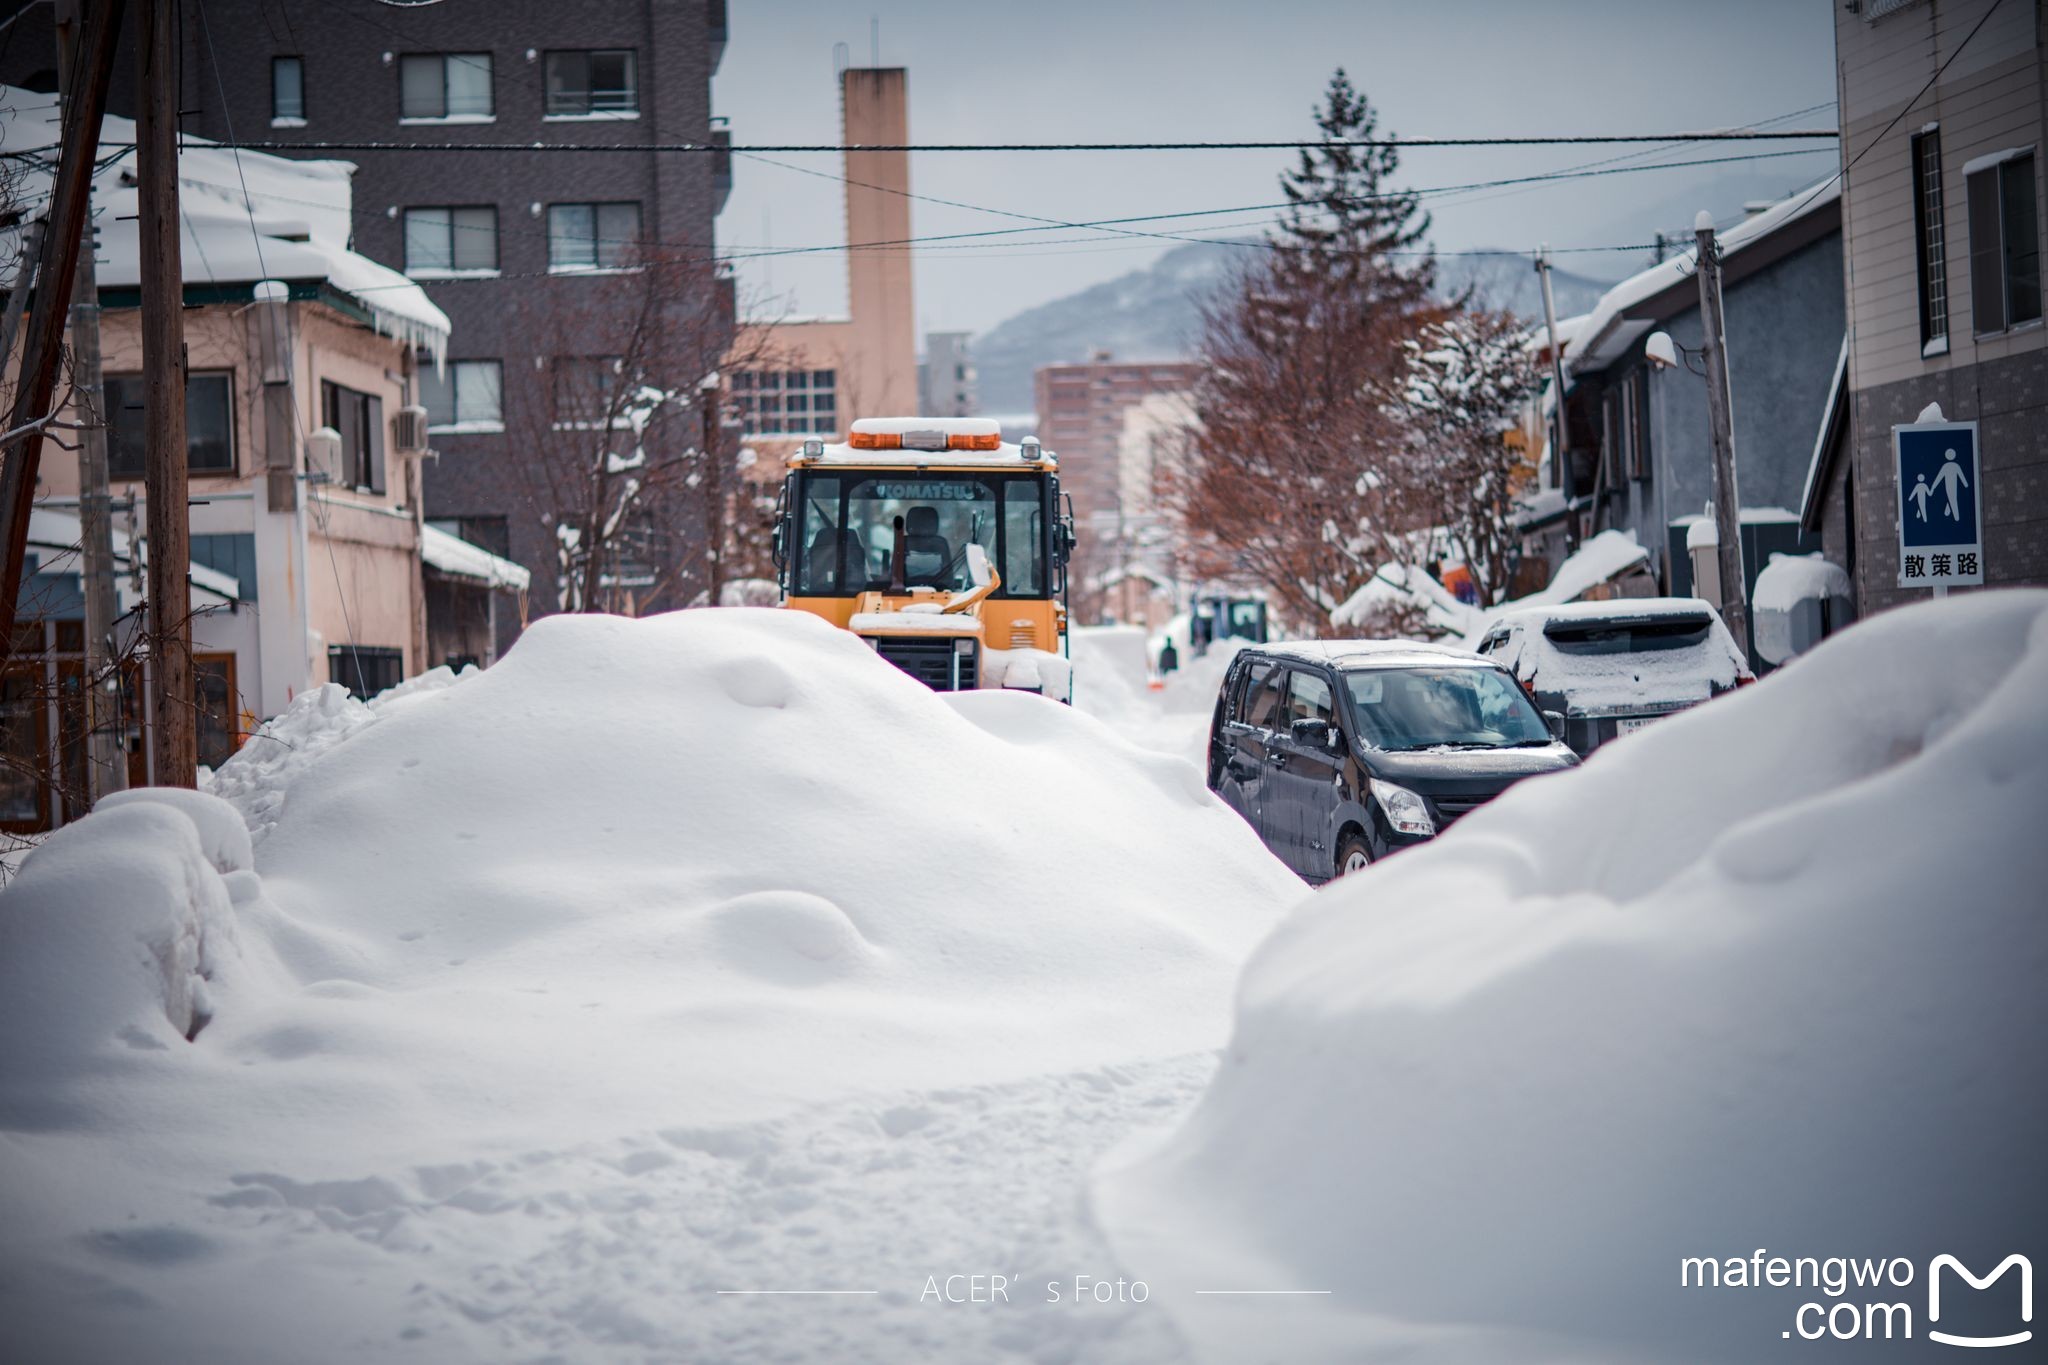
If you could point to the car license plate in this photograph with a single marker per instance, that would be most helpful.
(1628, 725)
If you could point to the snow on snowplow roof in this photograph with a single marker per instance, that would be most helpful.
(925, 441)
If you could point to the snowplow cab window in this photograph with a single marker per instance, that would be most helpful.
(847, 526)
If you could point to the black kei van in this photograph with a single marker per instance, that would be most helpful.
(1340, 752)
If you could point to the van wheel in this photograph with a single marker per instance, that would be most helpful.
(1353, 855)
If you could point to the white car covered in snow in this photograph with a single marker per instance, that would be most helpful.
(1613, 667)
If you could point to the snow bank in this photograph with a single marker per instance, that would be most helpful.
(1489, 1094)
(595, 982)
(111, 931)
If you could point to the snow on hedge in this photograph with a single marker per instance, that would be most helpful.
(1768, 974)
(664, 956)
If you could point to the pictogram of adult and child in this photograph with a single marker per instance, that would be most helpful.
(1949, 479)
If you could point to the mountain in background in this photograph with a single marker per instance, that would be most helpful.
(1154, 313)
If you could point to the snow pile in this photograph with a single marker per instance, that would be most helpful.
(112, 929)
(1798, 599)
(1490, 1093)
(1788, 580)
(1400, 590)
(613, 976)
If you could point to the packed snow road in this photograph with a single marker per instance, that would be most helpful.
(700, 989)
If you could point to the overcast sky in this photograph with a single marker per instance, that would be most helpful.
(1193, 70)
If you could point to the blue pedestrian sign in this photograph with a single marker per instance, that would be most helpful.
(1941, 536)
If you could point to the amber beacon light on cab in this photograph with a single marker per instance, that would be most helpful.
(941, 545)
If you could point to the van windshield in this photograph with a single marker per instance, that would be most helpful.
(1404, 709)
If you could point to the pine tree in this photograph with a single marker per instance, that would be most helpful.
(1343, 218)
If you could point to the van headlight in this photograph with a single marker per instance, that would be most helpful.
(1406, 812)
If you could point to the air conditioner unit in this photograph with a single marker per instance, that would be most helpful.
(409, 431)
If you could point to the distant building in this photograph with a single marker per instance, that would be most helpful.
(308, 562)
(1081, 418)
(817, 375)
(489, 234)
(946, 378)
(1944, 136)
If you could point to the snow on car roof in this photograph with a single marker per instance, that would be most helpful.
(1608, 607)
(1369, 652)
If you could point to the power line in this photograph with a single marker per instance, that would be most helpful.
(1740, 135)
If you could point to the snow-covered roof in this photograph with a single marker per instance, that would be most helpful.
(1607, 331)
(457, 558)
(54, 537)
(1791, 579)
(1004, 455)
(1607, 608)
(247, 217)
(1832, 413)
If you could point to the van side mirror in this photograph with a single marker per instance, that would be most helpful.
(1555, 720)
(1315, 734)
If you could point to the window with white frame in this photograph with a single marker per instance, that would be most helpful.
(2005, 241)
(592, 236)
(445, 85)
(595, 83)
(441, 241)
(464, 394)
(1930, 242)
(787, 402)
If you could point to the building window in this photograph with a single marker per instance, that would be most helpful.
(287, 90)
(219, 719)
(787, 402)
(365, 670)
(486, 533)
(465, 393)
(1930, 243)
(446, 241)
(359, 417)
(584, 387)
(592, 236)
(586, 83)
(209, 424)
(232, 553)
(449, 85)
(2005, 244)
(1635, 406)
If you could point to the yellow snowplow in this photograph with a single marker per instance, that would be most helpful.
(941, 545)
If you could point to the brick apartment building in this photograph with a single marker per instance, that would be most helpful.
(1944, 140)
(1081, 417)
(487, 232)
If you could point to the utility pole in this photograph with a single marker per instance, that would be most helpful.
(1560, 452)
(105, 767)
(174, 744)
(70, 194)
(1721, 414)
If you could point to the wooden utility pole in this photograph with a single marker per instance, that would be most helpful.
(1560, 451)
(106, 766)
(174, 747)
(69, 200)
(1721, 415)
